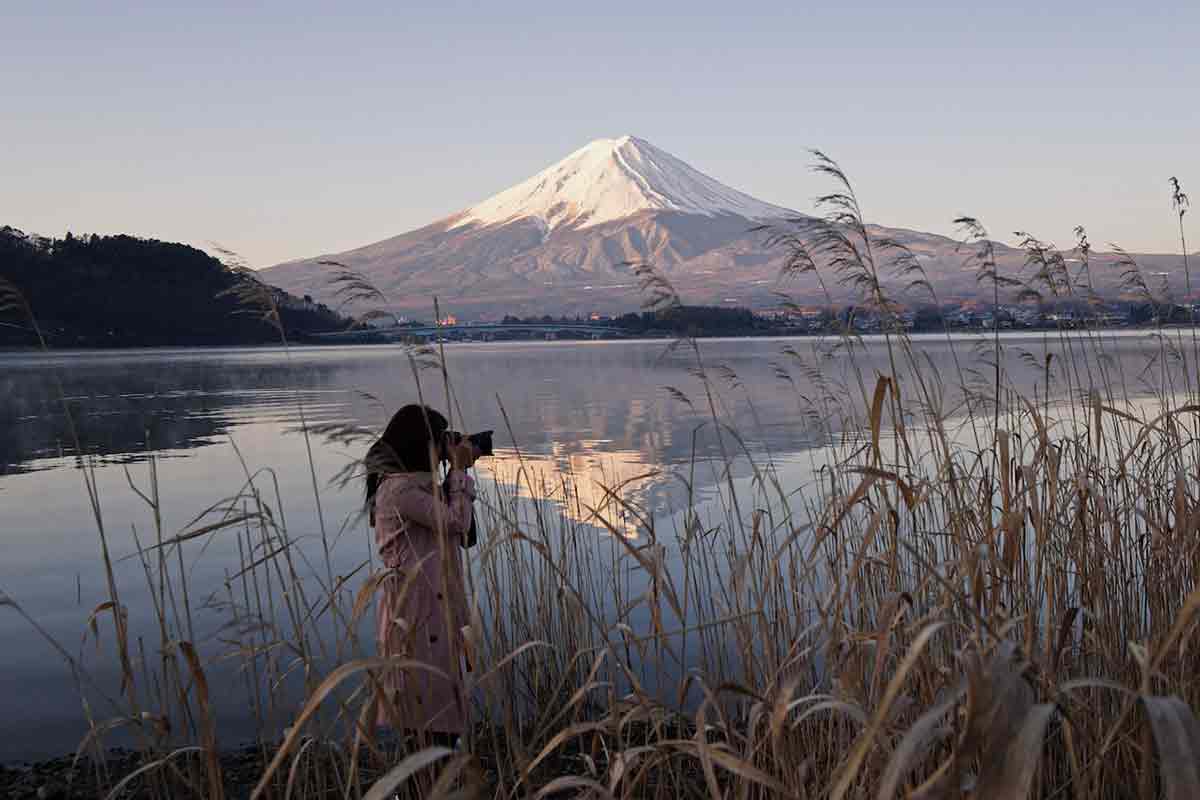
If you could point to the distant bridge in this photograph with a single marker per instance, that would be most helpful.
(482, 330)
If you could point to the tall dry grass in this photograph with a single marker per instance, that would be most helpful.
(983, 592)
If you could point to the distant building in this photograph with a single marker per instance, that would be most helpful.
(1113, 318)
(1061, 318)
(384, 321)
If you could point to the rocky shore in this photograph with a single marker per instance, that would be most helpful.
(68, 778)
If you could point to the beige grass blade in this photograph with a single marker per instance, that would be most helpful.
(1021, 758)
(331, 682)
(914, 743)
(747, 771)
(568, 782)
(866, 739)
(849, 709)
(294, 772)
(1172, 722)
(193, 534)
(508, 659)
(385, 787)
(449, 776)
(567, 733)
(118, 790)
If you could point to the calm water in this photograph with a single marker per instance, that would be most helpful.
(600, 410)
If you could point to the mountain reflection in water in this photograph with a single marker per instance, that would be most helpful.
(588, 483)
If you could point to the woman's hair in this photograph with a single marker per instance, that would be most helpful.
(412, 435)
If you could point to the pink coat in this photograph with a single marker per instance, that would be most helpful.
(422, 607)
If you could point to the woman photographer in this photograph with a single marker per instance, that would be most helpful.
(419, 527)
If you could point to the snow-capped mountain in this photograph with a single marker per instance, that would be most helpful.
(562, 241)
(610, 180)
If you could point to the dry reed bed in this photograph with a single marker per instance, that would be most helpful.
(983, 592)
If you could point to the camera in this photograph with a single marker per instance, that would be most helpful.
(481, 440)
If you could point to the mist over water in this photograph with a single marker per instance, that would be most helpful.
(600, 412)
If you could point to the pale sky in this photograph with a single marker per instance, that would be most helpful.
(294, 129)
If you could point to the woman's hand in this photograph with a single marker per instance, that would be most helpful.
(463, 455)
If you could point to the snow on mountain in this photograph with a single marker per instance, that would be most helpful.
(563, 241)
(613, 179)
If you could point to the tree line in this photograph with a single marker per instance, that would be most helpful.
(122, 291)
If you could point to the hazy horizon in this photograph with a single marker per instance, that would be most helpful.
(285, 132)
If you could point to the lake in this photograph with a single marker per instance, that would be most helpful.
(611, 412)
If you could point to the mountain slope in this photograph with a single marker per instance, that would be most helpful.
(562, 241)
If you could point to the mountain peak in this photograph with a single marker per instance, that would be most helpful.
(612, 179)
(609, 144)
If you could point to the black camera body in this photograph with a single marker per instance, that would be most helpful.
(481, 440)
(483, 443)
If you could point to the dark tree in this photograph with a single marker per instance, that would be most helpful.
(121, 291)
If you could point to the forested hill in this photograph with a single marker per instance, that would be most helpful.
(122, 291)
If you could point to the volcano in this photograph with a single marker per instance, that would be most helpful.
(563, 241)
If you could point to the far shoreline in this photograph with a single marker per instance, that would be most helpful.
(869, 338)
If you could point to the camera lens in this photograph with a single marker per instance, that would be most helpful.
(482, 442)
